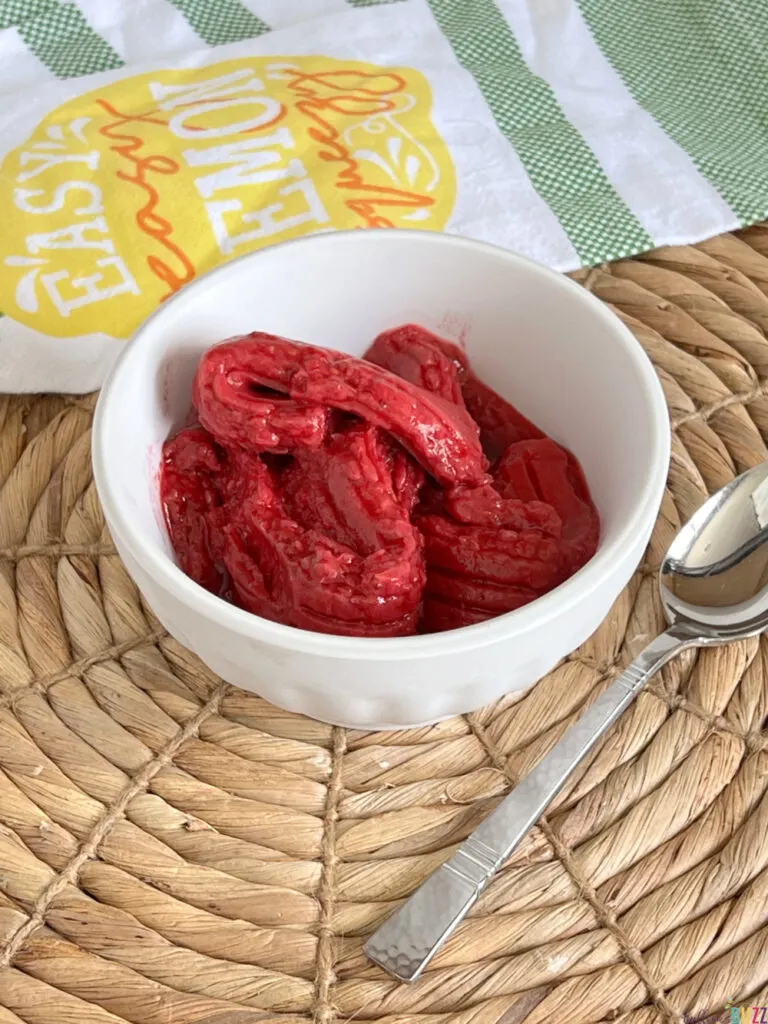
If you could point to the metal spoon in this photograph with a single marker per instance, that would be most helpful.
(714, 588)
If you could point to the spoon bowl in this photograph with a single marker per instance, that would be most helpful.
(714, 578)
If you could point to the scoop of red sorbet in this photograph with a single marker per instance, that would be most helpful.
(371, 497)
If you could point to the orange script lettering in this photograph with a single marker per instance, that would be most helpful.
(148, 220)
(329, 92)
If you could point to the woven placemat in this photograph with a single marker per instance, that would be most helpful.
(176, 851)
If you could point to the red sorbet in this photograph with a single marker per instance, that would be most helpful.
(372, 497)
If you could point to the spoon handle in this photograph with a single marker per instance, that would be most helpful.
(406, 943)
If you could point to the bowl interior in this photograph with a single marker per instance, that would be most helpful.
(537, 338)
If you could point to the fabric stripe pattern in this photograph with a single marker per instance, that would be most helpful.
(562, 168)
(707, 88)
(59, 36)
(221, 21)
(671, 197)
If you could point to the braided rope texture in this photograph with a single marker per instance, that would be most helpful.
(176, 851)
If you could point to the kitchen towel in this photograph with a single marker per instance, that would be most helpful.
(143, 142)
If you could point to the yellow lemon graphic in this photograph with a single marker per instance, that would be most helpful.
(123, 195)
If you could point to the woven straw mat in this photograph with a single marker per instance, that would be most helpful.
(176, 851)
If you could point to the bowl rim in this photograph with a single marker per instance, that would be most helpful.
(539, 612)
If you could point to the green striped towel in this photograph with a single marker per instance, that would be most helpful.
(145, 141)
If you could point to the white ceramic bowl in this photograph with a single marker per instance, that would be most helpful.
(542, 341)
